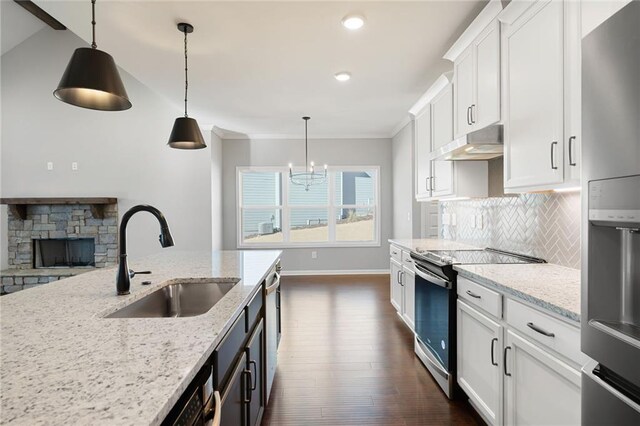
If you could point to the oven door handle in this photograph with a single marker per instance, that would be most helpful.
(432, 278)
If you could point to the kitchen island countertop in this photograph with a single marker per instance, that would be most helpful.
(62, 362)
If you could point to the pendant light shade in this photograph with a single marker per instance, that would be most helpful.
(186, 133)
(92, 80)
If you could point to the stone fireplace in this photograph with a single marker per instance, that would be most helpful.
(50, 239)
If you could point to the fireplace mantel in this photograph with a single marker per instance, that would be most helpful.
(18, 206)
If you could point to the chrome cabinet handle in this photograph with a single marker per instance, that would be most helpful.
(469, 116)
(572, 139)
(505, 361)
(493, 342)
(553, 160)
(472, 294)
(539, 330)
(398, 277)
(401, 283)
(473, 121)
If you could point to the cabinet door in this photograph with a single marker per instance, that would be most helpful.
(255, 365)
(409, 286)
(234, 398)
(479, 351)
(442, 118)
(534, 140)
(539, 388)
(463, 92)
(486, 109)
(396, 287)
(442, 178)
(422, 147)
(573, 93)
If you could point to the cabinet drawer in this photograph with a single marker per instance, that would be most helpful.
(557, 335)
(253, 310)
(407, 261)
(225, 354)
(395, 253)
(480, 296)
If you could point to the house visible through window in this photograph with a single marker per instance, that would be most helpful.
(342, 210)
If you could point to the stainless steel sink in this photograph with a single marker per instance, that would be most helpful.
(179, 299)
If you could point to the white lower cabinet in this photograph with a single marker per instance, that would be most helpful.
(409, 287)
(515, 374)
(402, 283)
(540, 389)
(480, 361)
(397, 293)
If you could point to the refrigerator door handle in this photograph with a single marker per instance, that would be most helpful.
(588, 370)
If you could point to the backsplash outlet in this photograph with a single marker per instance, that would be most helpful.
(542, 225)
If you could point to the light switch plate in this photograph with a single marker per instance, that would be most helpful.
(50, 165)
(74, 166)
(314, 254)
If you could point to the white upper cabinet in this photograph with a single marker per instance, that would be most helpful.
(541, 88)
(486, 108)
(422, 150)
(442, 118)
(476, 66)
(463, 80)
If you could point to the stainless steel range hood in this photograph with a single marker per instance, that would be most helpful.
(482, 144)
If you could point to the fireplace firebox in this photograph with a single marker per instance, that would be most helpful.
(63, 252)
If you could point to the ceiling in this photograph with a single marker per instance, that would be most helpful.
(17, 25)
(256, 67)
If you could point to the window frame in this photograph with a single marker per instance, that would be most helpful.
(285, 209)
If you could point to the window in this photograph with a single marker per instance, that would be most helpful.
(342, 211)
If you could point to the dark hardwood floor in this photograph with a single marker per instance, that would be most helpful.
(346, 358)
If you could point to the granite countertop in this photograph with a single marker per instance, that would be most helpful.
(551, 287)
(431, 244)
(62, 362)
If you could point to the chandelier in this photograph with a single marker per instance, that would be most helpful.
(309, 176)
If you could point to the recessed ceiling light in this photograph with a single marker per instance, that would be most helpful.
(343, 76)
(353, 22)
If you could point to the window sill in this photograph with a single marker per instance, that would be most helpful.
(373, 244)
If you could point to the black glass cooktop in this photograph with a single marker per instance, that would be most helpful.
(471, 257)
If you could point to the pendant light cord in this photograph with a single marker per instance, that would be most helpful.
(306, 144)
(186, 75)
(93, 24)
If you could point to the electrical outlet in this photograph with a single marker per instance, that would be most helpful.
(314, 254)
(453, 219)
(480, 221)
(474, 220)
(409, 217)
(50, 165)
(74, 166)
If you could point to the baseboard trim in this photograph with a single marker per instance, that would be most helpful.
(286, 272)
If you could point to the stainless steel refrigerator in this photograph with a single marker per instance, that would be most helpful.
(611, 220)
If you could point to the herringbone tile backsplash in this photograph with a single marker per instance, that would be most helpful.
(541, 225)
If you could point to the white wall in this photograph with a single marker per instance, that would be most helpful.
(216, 191)
(336, 152)
(406, 210)
(120, 154)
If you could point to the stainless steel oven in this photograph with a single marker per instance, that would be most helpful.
(435, 324)
(435, 305)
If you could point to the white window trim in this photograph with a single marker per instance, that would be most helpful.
(285, 209)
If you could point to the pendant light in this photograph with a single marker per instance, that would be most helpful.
(91, 79)
(186, 132)
(309, 176)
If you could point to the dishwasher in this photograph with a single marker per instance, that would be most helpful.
(272, 317)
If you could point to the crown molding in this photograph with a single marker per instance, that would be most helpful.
(484, 18)
(440, 83)
(285, 136)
